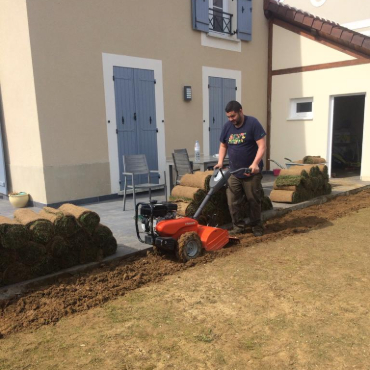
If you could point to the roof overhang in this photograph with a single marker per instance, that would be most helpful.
(319, 27)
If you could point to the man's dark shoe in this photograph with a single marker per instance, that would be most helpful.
(258, 230)
(237, 231)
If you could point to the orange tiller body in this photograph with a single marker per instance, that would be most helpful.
(212, 238)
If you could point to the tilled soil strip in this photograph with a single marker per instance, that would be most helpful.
(69, 295)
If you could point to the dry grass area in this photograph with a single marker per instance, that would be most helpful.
(300, 302)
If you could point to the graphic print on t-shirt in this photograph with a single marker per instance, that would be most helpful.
(237, 138)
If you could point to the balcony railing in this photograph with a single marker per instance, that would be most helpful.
(220, 21)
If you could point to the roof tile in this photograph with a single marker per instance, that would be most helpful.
(290, 14)
(366, 43)
(272, 6)
(336, 32)
(308, 20)
(358, 40)
(282, 10)
(347, 35)
(299, 17)
(327, 27)
(317, 24)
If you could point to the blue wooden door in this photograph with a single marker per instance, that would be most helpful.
(221, 91)
(3, 186)
(136, 117)
(146, 118)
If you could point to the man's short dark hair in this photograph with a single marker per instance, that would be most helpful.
(233, 106)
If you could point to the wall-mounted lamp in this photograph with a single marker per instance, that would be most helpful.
(187, 93)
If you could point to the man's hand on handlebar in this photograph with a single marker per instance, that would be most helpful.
(254, 169)
(247, 173)
(218, 165)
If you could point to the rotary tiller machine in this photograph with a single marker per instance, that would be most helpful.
(165, 231)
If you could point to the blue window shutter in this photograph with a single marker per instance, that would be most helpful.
(244, 29)
(200, 15)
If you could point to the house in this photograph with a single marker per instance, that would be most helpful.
(84, 82)
(319, 79)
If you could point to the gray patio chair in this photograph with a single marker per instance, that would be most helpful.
(182, 163)
(137, 165)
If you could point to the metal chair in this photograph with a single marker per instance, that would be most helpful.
(182, 163)
(137, 165)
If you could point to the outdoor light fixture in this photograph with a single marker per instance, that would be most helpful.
(187, 93)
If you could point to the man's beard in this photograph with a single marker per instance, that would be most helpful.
(238, 121)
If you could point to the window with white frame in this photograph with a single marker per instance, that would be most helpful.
(220, 20)
(301, 109)
(225, 17)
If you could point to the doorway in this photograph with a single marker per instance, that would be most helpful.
(347, 136)
(221, 91)
(136, 118)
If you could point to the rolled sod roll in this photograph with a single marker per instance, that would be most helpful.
(323, 168)
(64, 224)
(318, 171)
(13, 234)
(7, 257)
(41, 229)
(317, 183)
(32, 253)
(88, 219)
(191, 209)
(286, 187)
(296, 171)
(46, 266)
(327, 188)
(292, 180)
(16, 272)
(314, 171)
(181, 208)
(105, 240)
(52, 211)
(266, 204)
(324, 171)
(282, 196)
(313, 159)
(187, 192)
(83, 244)
(197, 179)
(64, 256)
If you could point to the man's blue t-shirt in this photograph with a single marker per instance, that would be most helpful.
(241, 143)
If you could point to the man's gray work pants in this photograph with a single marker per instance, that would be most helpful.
(251, 188)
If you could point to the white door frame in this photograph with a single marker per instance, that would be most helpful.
(113, 60)
(331, 124)
(221, 73)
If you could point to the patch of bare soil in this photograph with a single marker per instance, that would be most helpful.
(72, 294)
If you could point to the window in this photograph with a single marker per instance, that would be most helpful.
(301, 109)
(224, 17)
(219, 19)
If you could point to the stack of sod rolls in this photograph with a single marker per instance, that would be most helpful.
(192, 190)
(35, 244)
(313, 159)
(300, 183)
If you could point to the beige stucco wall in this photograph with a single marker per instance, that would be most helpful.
(301, 51)
(340, 11)
(22, 136)
(295, 139)
(68, 38)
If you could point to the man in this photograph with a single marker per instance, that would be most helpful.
(245, 140)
